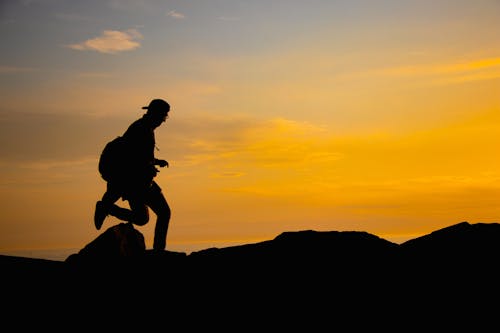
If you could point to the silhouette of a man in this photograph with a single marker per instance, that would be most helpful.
(138, 186)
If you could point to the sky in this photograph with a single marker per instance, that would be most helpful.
(286, 115)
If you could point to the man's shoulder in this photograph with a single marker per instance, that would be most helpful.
(138, 122)
(138, 125)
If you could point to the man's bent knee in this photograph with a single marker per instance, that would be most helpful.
(140, 219)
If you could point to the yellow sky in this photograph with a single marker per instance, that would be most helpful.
(327, 118)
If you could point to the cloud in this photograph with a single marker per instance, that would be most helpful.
(57, 164)
(176, 14)
(111, 42)
(94, 75)
(475, 70)
(228, 174)
(239, 142)
(14, 69)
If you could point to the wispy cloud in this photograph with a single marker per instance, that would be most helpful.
(443, 68)
(272, 143)
(14, 69)
(227, 174)
(94, 75)
(175, 14)
(111, 42)
(46, 172)
(481, 69)
(57, 164)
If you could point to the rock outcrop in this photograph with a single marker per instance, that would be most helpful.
(304, 275)
(118, 243)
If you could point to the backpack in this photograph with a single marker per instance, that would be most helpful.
(113, 160)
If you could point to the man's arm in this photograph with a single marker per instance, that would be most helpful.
(161, 163)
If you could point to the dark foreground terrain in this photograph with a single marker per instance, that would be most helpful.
(448, 278)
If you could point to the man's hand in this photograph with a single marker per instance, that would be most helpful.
(162, 163)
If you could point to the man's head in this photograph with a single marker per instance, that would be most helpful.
(158, 110)
(157, 106)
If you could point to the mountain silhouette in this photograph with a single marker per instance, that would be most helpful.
(121, 247)
(451, 270)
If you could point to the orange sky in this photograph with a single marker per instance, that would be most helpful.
(325, 116)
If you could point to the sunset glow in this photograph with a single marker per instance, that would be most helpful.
(376, 116)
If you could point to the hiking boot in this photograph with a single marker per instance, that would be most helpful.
(99, 214)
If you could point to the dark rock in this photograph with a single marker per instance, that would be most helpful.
(316, 260)
(118, 243)
(448, 276)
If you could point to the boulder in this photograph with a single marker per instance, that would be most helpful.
(118, 243)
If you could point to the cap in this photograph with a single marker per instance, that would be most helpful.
(157, 105)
